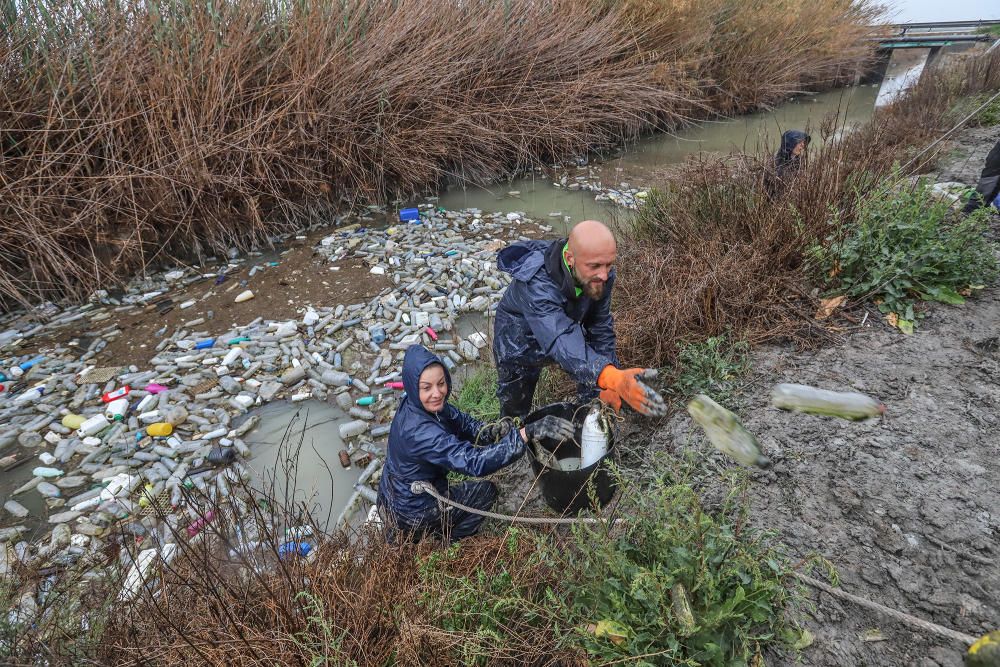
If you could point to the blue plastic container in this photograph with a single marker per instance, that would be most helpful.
(409, 215)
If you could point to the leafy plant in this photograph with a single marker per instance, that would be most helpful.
(906, 247)
(988, 116)
(713, 367)
(679, 586)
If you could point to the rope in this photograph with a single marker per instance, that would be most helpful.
(888, 611)
(955, 127)
(424, 487)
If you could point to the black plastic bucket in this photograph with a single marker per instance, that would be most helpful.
(565, 491)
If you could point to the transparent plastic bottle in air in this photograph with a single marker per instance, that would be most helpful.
(846, 405)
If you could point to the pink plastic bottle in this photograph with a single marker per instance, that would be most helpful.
(200, 523)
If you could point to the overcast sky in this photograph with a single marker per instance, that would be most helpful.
(906, 11)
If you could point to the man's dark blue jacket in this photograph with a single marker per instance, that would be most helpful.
(541, 320)
(424, 446)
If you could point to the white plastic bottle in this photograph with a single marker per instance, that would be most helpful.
(92, 426)
(594, 440)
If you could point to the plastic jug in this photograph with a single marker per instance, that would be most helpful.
(115, 410)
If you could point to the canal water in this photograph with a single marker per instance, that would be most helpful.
(538, 198)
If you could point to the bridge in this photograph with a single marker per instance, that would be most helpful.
(935, 35)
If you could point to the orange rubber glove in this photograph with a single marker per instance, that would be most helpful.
(626, 385)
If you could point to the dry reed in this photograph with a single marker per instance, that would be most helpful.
(133, 132)
(712, 253)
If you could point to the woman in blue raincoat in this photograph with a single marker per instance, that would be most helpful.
(430, 437)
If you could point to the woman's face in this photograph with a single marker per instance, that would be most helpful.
(799, 148)
(433, 388)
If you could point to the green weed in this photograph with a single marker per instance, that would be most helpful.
(478, 394)
(615, 594)
(988, 116)
(904, 248)
(713, 367)
(624, 594)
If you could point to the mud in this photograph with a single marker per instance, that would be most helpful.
(906, 508)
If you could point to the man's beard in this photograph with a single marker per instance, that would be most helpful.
(592, 290)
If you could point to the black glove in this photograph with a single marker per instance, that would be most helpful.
(551, 427)
(495, 431)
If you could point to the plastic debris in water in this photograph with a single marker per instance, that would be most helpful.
(726, 432)
(846, 405)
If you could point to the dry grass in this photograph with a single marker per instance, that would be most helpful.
(358, 602)
(711, 253)
(132, 132)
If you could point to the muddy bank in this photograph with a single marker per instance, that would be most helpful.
(905, 508)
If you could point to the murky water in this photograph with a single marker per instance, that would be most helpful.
(32, 500)
(538, 198)
(294, 456)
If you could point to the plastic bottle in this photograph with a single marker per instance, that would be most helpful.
(73, 422)
(336, 378)
(231, 356)
(378, 335)
(174, 414)
(30, 396)
(156, 388)
(115, 410)
(847, 405)
(204, 344)
(352, 428)
(121, 392)
(594, 440)
(394, 385)
(365, 400)
(160, 429)
(31, 362)
(200, 523)
(145, 404)
(93, 426)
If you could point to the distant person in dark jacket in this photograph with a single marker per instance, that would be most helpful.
(787, 160)
(430, 437)
(557, 310)
(989, 183)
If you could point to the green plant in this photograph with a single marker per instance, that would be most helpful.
(478, 394)
(904, 247)
(628, 592)
(713, 367)
(989, 30)
(988, 116)
(321, 641)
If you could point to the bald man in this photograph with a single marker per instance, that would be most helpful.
(557, 310)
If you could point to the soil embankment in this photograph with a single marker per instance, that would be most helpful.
(905, 508)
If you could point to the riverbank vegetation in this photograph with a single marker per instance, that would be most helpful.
(668, 580)
(712, 252)
(133, 133)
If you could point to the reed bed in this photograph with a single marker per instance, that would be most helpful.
(133, 133)
(713, 253)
